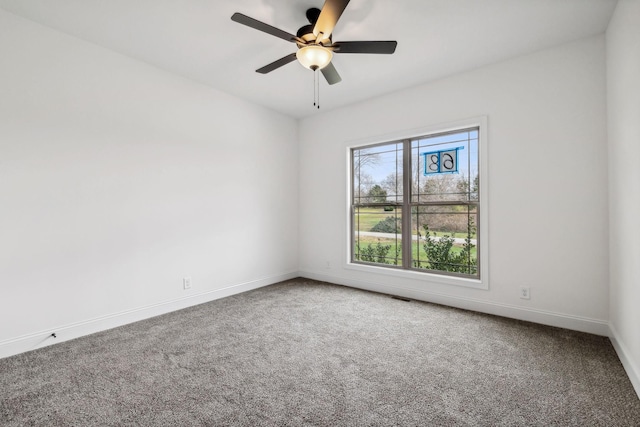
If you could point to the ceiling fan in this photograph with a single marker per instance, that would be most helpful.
(315, 45)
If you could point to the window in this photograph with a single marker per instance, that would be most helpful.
(415, 204)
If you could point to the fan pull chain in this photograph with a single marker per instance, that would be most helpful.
(318, 83)
(316, 88)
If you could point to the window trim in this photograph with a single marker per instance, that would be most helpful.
(483, 212)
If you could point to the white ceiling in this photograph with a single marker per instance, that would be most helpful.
(197, 39)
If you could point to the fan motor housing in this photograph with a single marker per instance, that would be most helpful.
(306, 32)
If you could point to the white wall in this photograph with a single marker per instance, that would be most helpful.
(547, 184)
(623, 106)
(118, 179)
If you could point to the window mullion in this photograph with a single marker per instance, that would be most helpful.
(406, 204)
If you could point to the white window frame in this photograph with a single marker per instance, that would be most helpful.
(429, 276)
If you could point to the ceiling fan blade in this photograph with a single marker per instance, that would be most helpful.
(277, 64)
(387, 47)
(331, 74)
(331, 12)
(261, 26)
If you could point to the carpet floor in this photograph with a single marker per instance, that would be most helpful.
(303, 352)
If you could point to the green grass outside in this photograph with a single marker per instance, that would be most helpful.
(369, 217)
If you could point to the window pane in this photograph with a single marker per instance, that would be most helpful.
(445, 238)
(377, 236)
(441, 204)
(377, 174)
(445, 167)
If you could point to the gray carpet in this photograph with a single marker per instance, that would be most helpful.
(308, 353)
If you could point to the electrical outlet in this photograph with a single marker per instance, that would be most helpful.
(525, 292)
(186, 283)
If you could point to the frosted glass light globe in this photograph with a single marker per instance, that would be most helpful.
(314, 57)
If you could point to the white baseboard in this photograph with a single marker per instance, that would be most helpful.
(67, 332)
(633, 371)
(576, 323)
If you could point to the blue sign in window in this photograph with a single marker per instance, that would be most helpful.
(443, 161)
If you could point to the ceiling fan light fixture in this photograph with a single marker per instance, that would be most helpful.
(314, 57)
